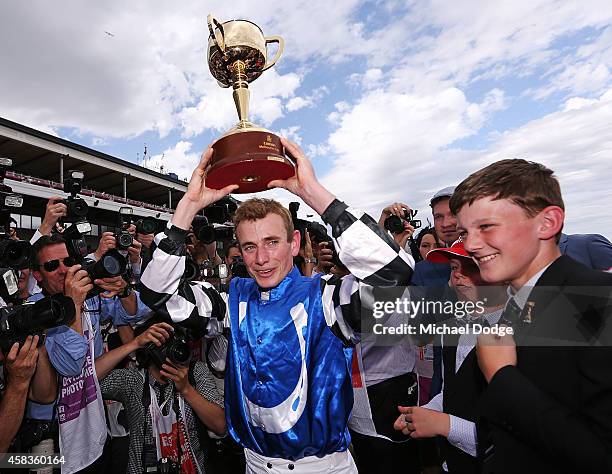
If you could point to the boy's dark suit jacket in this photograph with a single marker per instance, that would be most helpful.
(552, 413)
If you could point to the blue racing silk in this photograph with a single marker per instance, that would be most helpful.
(288, 391)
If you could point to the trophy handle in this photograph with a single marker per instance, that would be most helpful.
(220, 42)
(279, 51)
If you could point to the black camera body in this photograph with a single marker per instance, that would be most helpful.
(14, 254)
(198, 272)
(19, 322)
(77, 208)
(221, 211)
(202, 230)
(111, 264)
(238, 268)
(208, 233)
(192, 269)
(395, 224)
(146, 225)
(176, 349)
(123, 239)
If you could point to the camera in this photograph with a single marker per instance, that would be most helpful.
(111, 264)
(146, 225)
(192, 269)
(77, 208)
(197, 272)
(395, 224)
(202, 230)
(14, 254)
(221, 211)
(124, 239)
(238, 268)
(75, 242)
(176, 349)
(19, 322)
(208, 233)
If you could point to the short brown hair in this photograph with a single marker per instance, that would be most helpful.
(258, 208)
(43, 242)
(531, 186)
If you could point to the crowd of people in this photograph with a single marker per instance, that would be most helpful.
(290, 354)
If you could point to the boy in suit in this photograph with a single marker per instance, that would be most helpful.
(548, 404)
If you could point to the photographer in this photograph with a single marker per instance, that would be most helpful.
(72, 349)
(28, 375)
(176, 393)
(204, 253)
(232, 250)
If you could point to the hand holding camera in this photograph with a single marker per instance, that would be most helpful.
(76, 286)
(178, 374)
(21, 362)
(112, 286)
(395, 209)
(395, 217)
(134, 251)
(55, 210)
(107, 242)
(157, 334)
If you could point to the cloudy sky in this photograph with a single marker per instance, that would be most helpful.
(392, 100)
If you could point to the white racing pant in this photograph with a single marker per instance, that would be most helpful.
(336, 463)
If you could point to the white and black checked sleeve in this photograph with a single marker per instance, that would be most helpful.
(373, 259)
(166, 292)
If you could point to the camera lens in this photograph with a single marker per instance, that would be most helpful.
(394, 224)
(179, 352)
(15, 253)
(124, 240)
(112, 265)
(206, 234)
(192, 270)
(146, 226)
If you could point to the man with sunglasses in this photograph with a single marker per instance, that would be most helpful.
(73, 349)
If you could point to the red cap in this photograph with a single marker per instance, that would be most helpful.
(443, 255)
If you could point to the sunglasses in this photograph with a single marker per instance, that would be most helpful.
(53, 265)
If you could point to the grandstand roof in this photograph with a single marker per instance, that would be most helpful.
(37, 155)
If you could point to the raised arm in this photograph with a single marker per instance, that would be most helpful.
(162, 286)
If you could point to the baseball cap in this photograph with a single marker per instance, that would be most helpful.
(443, 255)
(446, 192)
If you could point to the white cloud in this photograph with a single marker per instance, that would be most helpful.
(297, 103)
(577, 144)
(292, 133)
(216, 110)
(404, 152)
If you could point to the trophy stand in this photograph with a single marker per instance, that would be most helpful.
(247, 155)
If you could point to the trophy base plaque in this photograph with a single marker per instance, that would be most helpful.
(250, 159)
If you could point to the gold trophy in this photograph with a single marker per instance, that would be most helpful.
(247, 155)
